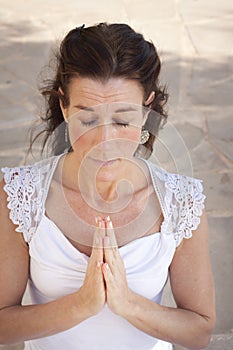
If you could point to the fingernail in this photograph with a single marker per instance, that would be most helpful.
(97, 241)
(109, 224)
(108, 218)
(106, 266)
(101, 223)
(97, 219)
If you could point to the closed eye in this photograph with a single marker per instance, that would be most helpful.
(120, 124)
(88, 123)
(93, 122)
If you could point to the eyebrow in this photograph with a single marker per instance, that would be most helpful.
(85, 108)
(127, 109)
(119, 110)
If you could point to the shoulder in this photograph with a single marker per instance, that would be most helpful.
(178, 185)
(27, 175)
(21, 182)
(7, 225)
(27, 170)
(182, 199)
(172, 180)
(22, 191)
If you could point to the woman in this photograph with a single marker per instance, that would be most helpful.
(99, 227)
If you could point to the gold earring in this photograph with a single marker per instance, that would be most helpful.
(144, 136)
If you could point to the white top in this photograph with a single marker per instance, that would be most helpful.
(57, 268)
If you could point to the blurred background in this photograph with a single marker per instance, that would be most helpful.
(195, 41)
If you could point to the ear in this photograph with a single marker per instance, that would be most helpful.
(150, 98)
(63, 109)
(147, 103)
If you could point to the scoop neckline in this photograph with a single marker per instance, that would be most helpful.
(55, 164)
(77, 251)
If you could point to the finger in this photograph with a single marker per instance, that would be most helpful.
(100, 227)
(111, 252)
(110, 242)
(107, 273)
(97, 247)
(110, 233)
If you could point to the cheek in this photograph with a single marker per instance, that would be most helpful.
(81, 141)
(128, 141)
(132, 134)
(124, 140)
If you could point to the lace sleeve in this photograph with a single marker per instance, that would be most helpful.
(186, 203)
(23, 197)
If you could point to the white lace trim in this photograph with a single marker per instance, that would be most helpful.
(185, 202)
(23, 186)
(181, 198)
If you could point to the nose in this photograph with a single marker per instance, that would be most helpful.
(105, 132)
(106, 144)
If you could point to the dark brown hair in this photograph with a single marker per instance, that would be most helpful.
(101, 52)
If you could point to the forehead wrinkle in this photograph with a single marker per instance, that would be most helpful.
(98, 98)
(104, 95)
(89, 92)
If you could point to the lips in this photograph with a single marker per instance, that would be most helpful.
(109, 162)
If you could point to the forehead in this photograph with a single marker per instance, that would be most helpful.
(89, 92)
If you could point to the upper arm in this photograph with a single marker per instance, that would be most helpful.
(14, 258)
(191, 275)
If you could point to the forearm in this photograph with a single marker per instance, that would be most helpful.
(174, 325)
(19, 323)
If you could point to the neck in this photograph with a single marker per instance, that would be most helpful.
(105, 189)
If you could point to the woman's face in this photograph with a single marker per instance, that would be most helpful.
(104, 120)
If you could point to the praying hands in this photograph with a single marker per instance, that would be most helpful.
(105, 280)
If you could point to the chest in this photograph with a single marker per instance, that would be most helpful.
(133, 217)
(146, 262)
